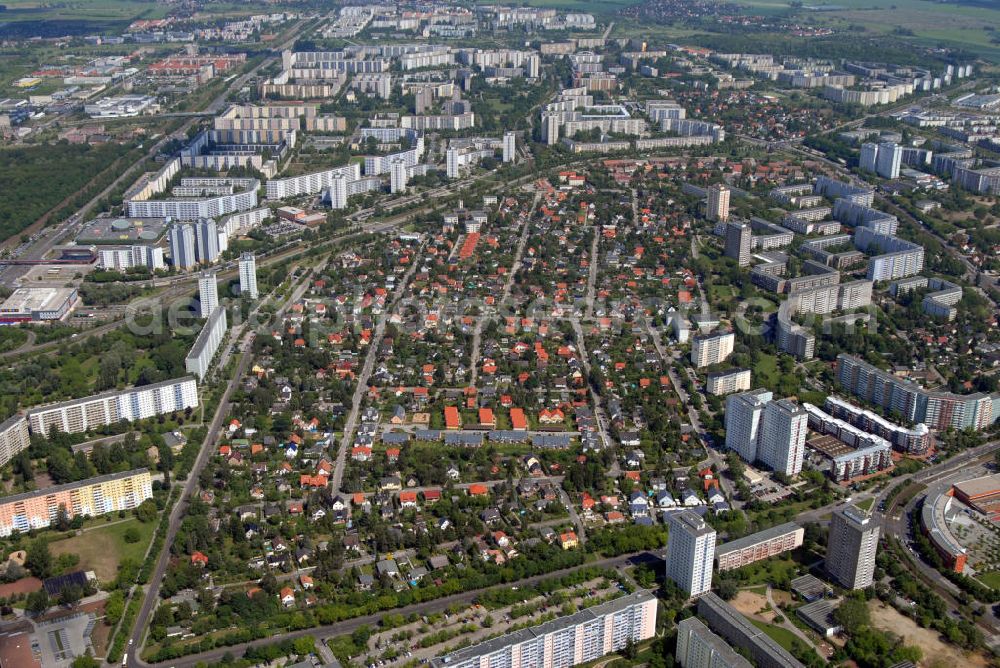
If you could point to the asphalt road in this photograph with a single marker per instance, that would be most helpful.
(177, 512)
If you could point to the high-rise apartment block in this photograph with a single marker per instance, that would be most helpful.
(738, 241)
(885, 159)
(783, 436)
(93, 497)
(740, 632)
(718, 202)
(757, 546)
(712, 348)
(850, 552)
(338, 192)
(248, 276)
(698, 647)
(898, 396)
(869, 157)
(566, 641)
(208, 294)
(690, 552)
(199, 359)
(890, 158)
(14, 438)
(397, 177)
(727, 382)
(744, 413)
(206, 237)
(182, 253)
(509, 146)
(101, 410)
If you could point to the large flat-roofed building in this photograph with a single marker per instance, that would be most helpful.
(13, 437)
(744, 413)
(566, 641)
(737, 630)
(912, 440)
(312, 183)
(850, 552)
(981, 493)
(698, 647)
(712, 348)
(761, 545)
(936, 409)
(690, 552)
(93, 497)
(934, 513)
(199, 359)
(783, 436)
(727, 382)
(136, 403)
(34, 304)
(847, 462)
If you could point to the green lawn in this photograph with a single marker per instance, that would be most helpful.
(769, 571)
(866, 504)
(780, 635)
(990, 579)
(102, 549)
(766, 370)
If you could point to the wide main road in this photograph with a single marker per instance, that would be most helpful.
(323, 633)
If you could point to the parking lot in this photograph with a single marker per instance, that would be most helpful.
(437, 635)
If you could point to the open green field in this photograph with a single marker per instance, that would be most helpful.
(102, 549)
(960, 25)
(589, 6)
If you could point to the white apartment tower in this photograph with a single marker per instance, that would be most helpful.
(208, 294)
(532, 65)
(738, 242)
(890, 158)
(509, 146)
(550, 127)
(698, 647)
(869, 157)
(248, 276)
(743, 417)
(397, 177)
(718, 202)
(206, 237)
(182, 253)
(783, 436)
(452, 163)
(712, 348)
(338, 192)
(690, 552)
(850, 553)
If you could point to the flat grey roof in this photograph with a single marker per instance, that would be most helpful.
(754, 538)
(819, 614)
(72, 485)
(693, 523)
(202, 339)
(104, 395)
(721, 647)
(746, 628)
